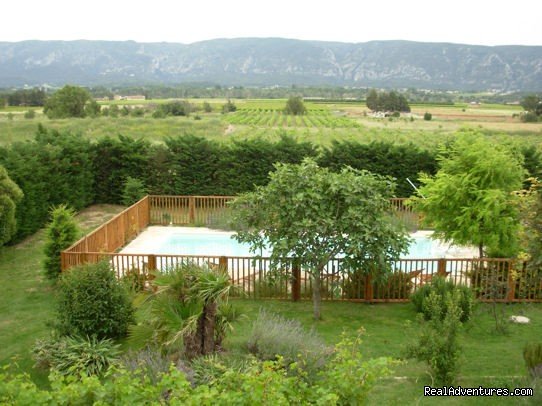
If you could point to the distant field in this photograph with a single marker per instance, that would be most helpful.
(324, 122)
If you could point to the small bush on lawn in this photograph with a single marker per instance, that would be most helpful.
(75, 355)
(440, 286)
(61, 232)
(532, 354)
(438, 341)
(133, 190)
(92, 302)
(274, 336)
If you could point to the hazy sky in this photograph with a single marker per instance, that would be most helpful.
(459, 21)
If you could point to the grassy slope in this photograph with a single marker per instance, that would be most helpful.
(27, 301)
(488, 359)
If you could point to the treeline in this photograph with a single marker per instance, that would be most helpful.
(66, 168)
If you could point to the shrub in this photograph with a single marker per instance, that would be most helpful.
(427, 116)
(29, 114)
(150, 363)
(76, 355)
(529, 117)
(438, 341)
(394, 285)
(133, 190)
(273, 336)
(295, 106)
(229, 107)
(532, 354)
(440, 287)
(61, 232)
(92, 302)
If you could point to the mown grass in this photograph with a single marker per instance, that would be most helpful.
(488, 359)
(27, 299)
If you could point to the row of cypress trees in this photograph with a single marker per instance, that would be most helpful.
(64, 168)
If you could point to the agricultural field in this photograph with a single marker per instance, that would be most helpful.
(323, 123)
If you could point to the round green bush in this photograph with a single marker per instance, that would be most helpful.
(92, 302)
(441, 286)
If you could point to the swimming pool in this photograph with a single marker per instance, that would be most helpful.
(203, 241)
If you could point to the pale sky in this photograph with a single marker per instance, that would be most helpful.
(186, 21)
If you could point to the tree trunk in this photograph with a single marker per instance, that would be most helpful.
(208, 319)
(481, 250)
(316, 294)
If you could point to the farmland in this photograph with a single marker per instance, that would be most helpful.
(264, 118)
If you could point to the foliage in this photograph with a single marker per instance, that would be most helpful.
(61, 232)
(384, 101)
(532, 354)
(10, 195)
(92, 109)
(470, 200)
(347, 380)
(395, 285)
(133, 190)
(92, 302)
(67, 102)
(313, 214)
(182, 313)
(402, 162)
(229, 107)
(150, 363)
(275, 337)
(295, 106)
(30, 114)
(27, 97)
(532, 104)
(438, 341)
(427, 116)
(76, 355)
(533, 220)
(207, 107)
(56, 168)
(175, 108)
(530, 117)
(437, 290)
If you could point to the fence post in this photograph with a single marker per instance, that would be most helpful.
(191, 209)
(296, 280)
(223, 264)
(369, 288)
(511, 283)
(441, 267)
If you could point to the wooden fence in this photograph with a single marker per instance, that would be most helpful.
(503, 280)
(500, 279)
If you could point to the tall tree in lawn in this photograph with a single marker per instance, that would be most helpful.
(67, 102)
(470, 201)
(10, 195)
(312, 214)
(61, 232)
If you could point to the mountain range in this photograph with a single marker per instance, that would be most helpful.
(273, 61)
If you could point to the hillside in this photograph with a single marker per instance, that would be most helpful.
(273, 61)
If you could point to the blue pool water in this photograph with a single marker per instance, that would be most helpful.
(222, 244)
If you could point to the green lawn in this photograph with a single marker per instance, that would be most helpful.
(488, 359)
(27, 299)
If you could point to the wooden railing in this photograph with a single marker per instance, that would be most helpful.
(491, 279)
(501, 280)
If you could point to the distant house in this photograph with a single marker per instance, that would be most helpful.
(134, 97)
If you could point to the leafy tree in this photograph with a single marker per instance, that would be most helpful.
(427, 116)
(134, 189)
(229, 107)
(533, 104)
(295, 106)
(207, 107)
(67, 102)
(312, 214)
(92, 109)
(27, 97)
(61, 232)
(10, 195)
(383, 101)
(30, 114)
(470, 200)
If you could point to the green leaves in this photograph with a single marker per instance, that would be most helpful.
(470, 199)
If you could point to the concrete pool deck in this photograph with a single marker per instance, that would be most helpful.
(149, 241)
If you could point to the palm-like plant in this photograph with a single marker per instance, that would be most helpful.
(183, 310)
